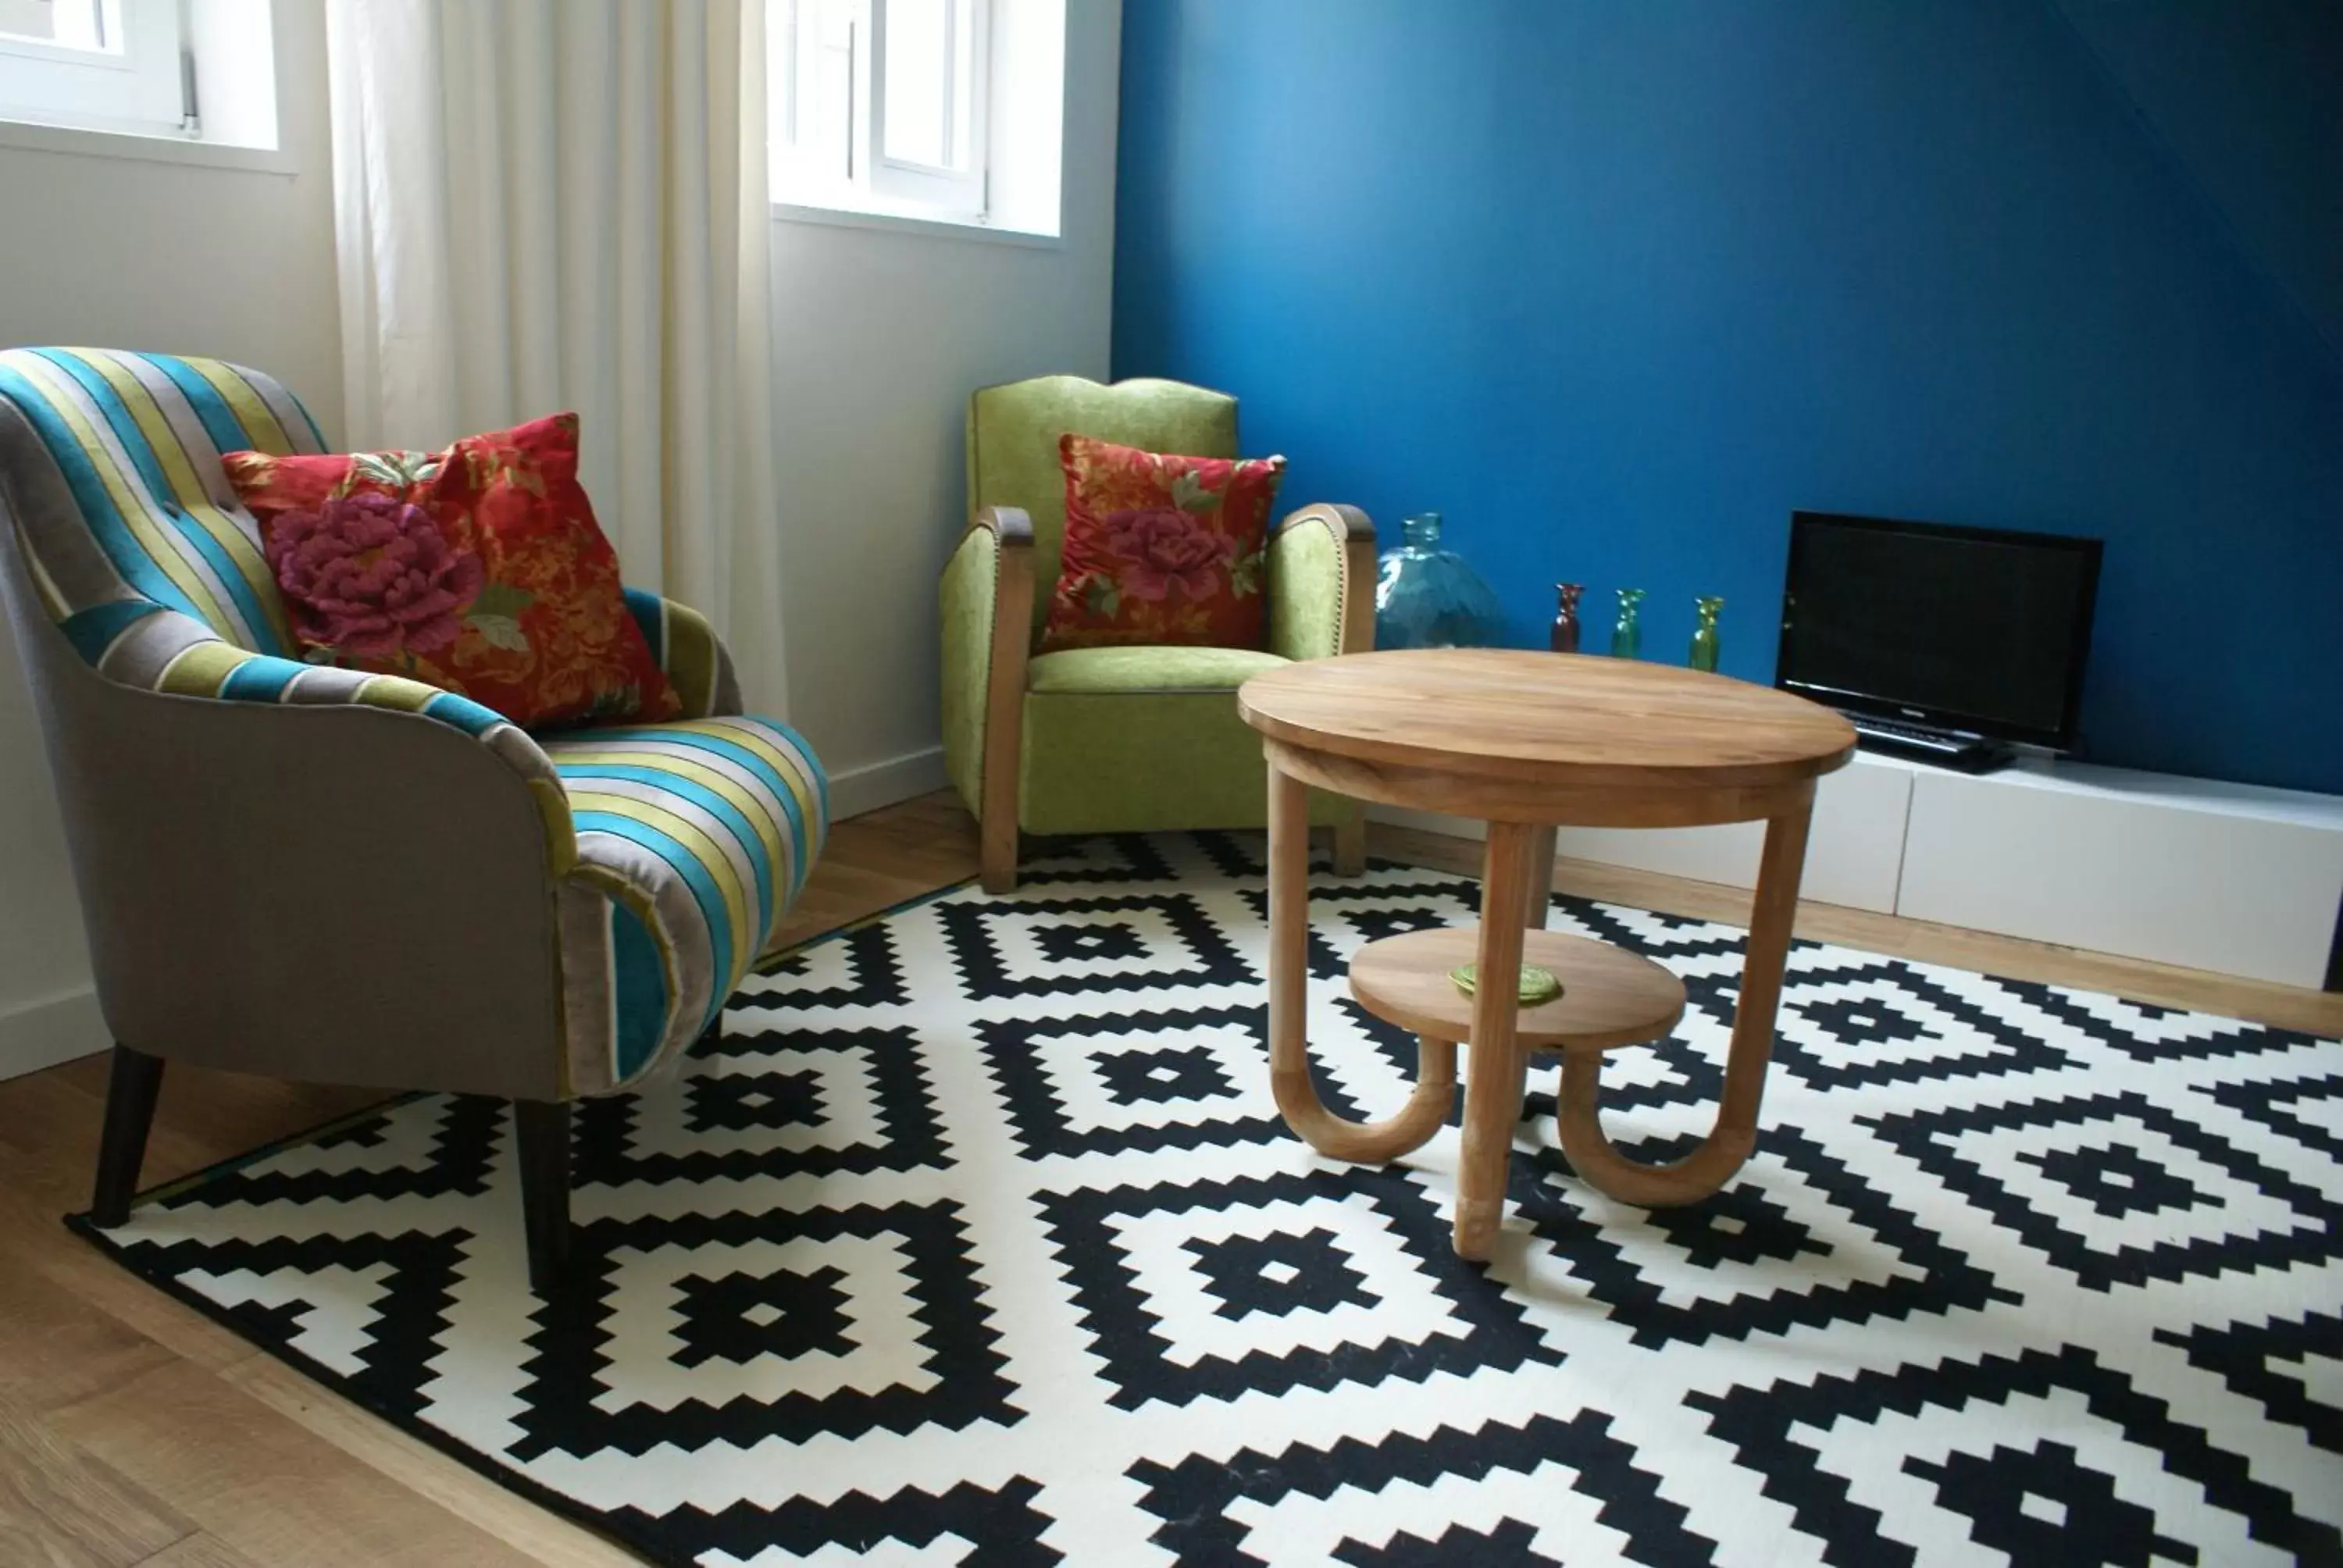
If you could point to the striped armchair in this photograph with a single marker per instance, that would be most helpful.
(312, 873)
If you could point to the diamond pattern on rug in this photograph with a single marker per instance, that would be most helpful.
(1148, 1270)
(1796, 1240)
(1542, 1493)
(889, 1332)
(855, 969)
(776, 1102)
(1036, 948)
(2292, 1367)
(1174, 1079)
(2072, 1175)
(976, 1238)
(2041, 1457)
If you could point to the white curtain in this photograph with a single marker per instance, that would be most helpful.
(547, 204)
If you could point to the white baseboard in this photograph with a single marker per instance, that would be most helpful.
(875, 784)
(54, 1030)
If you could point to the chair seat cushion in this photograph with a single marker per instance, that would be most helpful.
(1134, 740)
(700, 834)
(1108, 671)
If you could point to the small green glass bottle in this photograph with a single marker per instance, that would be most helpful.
(1627, 633)
(1704, 637)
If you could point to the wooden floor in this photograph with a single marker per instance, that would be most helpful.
(134, 1431)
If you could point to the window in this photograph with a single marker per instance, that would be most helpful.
(184, 71)
(103, 65)
(879, 105)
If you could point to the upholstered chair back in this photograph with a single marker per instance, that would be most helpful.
(154, 528)
(135, 542)
(1012, 445)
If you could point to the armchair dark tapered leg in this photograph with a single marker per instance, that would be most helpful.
(121, 1148)
(544, 1145)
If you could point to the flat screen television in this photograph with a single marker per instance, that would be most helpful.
(1978, 630)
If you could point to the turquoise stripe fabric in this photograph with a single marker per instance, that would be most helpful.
(650, 611)
(100, 514)
(142, 454)
(638, 982)
(471, 716)
(629, 782)
(744, 832)
(688, 866)
(260, 680)
(219, 420)
(802, 841)
(94, 630)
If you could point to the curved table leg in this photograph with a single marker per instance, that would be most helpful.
(1289, 994)
(1492, 1089)
(1720, 1155)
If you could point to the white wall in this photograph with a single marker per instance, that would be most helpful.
(880, 336)
(186, 258)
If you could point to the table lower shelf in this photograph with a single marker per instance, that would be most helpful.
(1610, 996)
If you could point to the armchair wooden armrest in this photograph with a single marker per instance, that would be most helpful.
(1322, 572)
(988, 638)
(1353, 533)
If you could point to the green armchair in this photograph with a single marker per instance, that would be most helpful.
(1120, 740)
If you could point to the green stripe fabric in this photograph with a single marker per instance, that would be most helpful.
(804, 805)
(729, 782)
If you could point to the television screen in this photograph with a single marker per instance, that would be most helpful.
(1968, 629)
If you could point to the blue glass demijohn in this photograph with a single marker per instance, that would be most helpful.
(1427, 597)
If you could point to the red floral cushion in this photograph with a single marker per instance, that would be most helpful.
(478, 569)
(1160, 549)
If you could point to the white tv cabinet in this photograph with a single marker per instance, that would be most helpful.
(2232, 878)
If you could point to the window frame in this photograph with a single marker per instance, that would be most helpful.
(957, 187)
(873, 183)
(139, 88)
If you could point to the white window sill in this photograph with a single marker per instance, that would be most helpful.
(31, 135)
(903, 223)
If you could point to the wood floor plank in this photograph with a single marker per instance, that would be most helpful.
(32, 1239)
(199, 1551)
(61, 1509)
(56, 1352)
(262, 1483)
(543, 1536)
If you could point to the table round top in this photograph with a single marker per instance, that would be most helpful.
(1566, 719)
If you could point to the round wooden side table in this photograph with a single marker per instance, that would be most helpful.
(1526, 741)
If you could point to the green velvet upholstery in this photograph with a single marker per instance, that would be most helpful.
(1117, 740)
(1012, 445)
(968, 594)
(1305, 594)
(1107, 671)
(1096, 763)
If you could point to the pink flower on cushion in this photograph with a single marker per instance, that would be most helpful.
(1160, 547)
(373, 577)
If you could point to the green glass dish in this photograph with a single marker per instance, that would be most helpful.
(1538, 985)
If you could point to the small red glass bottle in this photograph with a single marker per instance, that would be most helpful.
(1563, 637)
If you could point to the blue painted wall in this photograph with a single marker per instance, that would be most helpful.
(1616, 286)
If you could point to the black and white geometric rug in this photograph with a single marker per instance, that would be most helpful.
(977, 1241)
